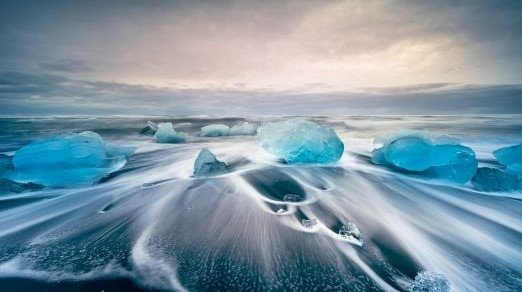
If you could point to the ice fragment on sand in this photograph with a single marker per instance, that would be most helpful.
(215, 130)
(243, 129)
(429, 282)
(350, 232)
(167, 134)
(301, 141)
(292, 198)
(207, 164)
(65, 160)
(441, 158)
(151, 127)
(507, 179)
(309, 224)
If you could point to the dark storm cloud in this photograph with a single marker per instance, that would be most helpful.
(49, 94)
(66, 66)
(260, 57)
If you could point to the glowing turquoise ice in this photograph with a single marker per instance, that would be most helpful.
(243, 129)
(510, 157)
(66, 160)
(215, 130)
(207, 164)
(166, 134)
(440, 158)
(507, 179)
(301, 141)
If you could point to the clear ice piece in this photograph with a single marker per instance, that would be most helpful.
(301, 141)
(207, 164)
(65, 160)
(167, 134)
(350, 232)
(430, 282)
(215, 130)
(309, 223)
(243, 129)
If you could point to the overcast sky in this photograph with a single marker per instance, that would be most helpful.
(260, 57)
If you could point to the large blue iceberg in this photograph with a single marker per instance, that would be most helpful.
(215, 130)
(66, 160)
(166, 134)
(243, 129)
(440, 158)
(207, 164)
(300, 141)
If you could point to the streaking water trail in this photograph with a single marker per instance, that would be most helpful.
(153, 226)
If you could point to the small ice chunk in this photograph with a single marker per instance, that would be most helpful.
(207, 164)
(167, 134)
(243, 129)
(281, 211)
(441, 158)
(301, 141)
(215, 130)
(151, 127)
(510, 157)
(495, 180)
(429, 282)
(351, 232)
(65, 160)
(292, 198)
(309, 223)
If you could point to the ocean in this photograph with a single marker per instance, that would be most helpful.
(152, 226)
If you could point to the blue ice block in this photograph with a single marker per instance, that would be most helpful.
(301, 141)
(65, 160)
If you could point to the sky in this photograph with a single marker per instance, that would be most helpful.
(261, 57)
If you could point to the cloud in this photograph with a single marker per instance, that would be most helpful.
(281, 44)
(61, 95)
(67, 65)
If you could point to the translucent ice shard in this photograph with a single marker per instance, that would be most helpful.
(496, 180)
(215, 130)
(207, 164)
(429, 282)
(351, 233)
(452, 162)
(309, 223)
(292, 198)
(243, 129)
(151, 127)
(510, 157)
(409, 153)
(301, 141)
(440, 158)
(167, 134)
(65, 160)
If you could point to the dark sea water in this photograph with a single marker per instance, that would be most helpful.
(151, 226)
